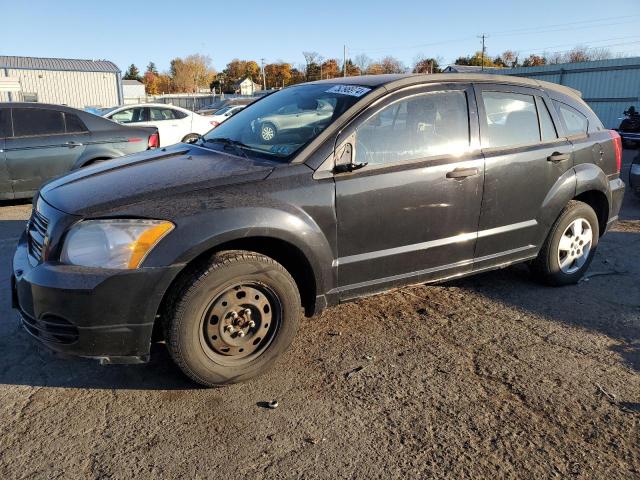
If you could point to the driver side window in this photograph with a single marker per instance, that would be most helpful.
(424, 125)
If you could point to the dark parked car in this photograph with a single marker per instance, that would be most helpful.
(39, 142)
(217, 246)
(634, 175)
(629, 128)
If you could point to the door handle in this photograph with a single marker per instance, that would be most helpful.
(460, 173)
(73, 144)
(558, 157)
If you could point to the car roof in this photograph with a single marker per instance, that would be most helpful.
(393, 81)
(47, 106)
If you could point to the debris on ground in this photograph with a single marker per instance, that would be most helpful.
(351, 373)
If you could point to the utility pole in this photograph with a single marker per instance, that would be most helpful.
(344, 61)
(483, 36)
(264, 81)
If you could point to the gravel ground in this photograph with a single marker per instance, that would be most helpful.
(490, 376)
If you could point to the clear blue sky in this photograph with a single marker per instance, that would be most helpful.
(137, 32)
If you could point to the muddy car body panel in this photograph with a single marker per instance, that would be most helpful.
(341, 233)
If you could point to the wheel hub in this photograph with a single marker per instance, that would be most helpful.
(239, 322)
(574, 246)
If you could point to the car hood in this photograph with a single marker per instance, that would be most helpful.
(149, 175)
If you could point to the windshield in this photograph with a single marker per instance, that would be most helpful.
(222, 110)
(279, 125)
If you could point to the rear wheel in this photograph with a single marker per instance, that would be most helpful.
(190, 138)
(569, 247)
(233, 318)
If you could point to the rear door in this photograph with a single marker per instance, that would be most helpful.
(524, 158)
(172, 124)
(41, 148)
(412, 212)
(5, 131)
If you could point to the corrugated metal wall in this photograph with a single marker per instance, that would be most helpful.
(76, 89)
(608, 86)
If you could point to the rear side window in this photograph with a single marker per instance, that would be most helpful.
(511, 119)
(5, 125)
(429, 124)
(129, 115)
(74, 124)
(575, 122)
(29, 122)
(546, 123)
(178, 114)
(159, 114)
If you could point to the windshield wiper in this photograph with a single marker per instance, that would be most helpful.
(236, 144)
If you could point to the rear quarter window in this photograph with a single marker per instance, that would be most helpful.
(74, 124)
(575, 122)
(28, 122)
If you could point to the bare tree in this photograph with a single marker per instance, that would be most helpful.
(362, 61)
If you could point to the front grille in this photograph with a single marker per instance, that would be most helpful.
(51, 329)
(37, 235)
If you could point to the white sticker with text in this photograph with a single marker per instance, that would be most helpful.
(353, 90)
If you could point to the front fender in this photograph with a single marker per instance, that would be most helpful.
(209, 229)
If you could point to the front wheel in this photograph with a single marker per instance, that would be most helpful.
(268, 132)
(569, 247)
(233, 318)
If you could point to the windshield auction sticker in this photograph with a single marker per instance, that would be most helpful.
(353, 90)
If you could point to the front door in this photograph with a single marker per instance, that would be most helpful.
(411, 213)
(6, 191)
(40, 148)
(524, 158)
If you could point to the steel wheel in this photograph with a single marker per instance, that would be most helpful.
(267, 132)
(575, 245)
(240, 323)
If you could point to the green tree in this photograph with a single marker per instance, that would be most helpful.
(151, 68)
(132, 73)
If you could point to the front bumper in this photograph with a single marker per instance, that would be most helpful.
(97, 313)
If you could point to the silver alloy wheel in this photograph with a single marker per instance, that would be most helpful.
(267, 132)
(575, 245)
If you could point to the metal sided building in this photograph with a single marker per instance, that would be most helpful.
(76, 83)
(608, 86)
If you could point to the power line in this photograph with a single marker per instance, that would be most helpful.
(595, 20)
(596, 23)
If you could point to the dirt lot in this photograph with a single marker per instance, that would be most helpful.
(491, 376)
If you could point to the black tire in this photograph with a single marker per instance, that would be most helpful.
(546, 267)
(190, 138)
(268, 127)
(189, 320)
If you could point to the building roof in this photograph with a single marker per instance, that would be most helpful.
(240, 82)
(132, 82)
(58, 64)
(627, 63)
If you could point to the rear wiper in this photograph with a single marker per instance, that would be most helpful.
(236, 144)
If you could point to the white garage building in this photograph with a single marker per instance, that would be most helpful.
(76, 83)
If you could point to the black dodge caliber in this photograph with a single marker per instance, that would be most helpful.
(312, 196)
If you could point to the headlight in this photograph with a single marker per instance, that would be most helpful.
(112, 243)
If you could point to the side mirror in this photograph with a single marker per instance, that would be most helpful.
(344, 159)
